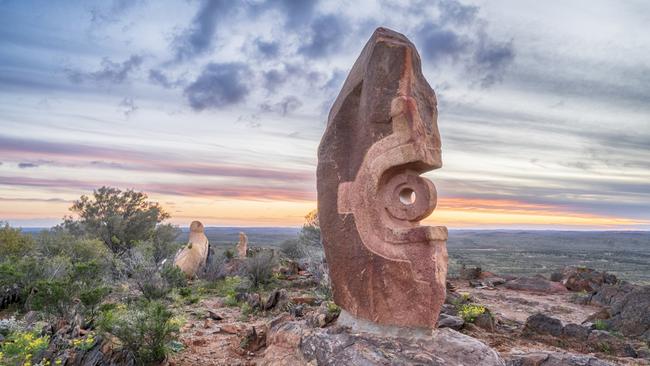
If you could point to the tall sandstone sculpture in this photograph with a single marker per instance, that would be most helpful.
(242, 246)
(191, 258)
(381, 135)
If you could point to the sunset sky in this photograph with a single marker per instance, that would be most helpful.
(216, 108)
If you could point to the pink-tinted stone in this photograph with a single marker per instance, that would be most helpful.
(242, 246)
(381, 135)
(191, 258)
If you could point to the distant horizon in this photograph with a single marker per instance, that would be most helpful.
(450, 229)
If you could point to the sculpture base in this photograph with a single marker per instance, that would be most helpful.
(358, 325)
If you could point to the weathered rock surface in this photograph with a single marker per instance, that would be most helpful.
(242, 245)
(191, 258)
(295, 343)
(543, 324)
(554, 359)
(631, 315)
(535, 284)
(585, 279)
(577, 336)
(381, 135)
(450, 321)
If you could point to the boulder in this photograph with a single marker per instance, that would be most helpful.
(277, 299)
(543, 324)
(192, 257)
(575, 332)
(485, 321)
(610, 295)
(470, 273)
(450, 321)
(535, 284)
(631, 315)
(585, 279)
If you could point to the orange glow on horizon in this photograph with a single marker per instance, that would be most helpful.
(451, 212)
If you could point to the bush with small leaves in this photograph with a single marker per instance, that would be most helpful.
(600, 324)
(469, 312)
(259, 268)
(173, 275)
(215, 267)
(292, 248)
(23, 348)
(144, 329)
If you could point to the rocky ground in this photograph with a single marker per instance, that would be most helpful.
(530, 321)
(581, 317)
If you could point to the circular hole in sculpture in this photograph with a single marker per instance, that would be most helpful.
(407, 196)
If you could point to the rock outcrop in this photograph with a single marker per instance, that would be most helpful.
(191, 258)
(585, 279)
(554, 359)
(295, 343)
(381, 135)
(627, 306)
(535, 284)
(242, 246)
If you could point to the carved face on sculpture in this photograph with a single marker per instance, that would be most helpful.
(382, 134)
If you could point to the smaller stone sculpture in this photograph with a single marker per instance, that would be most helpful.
(242, 246)
(191, 258)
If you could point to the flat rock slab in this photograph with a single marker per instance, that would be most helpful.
(555, 359)
(295, 343)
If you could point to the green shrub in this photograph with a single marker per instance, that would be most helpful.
(230, 300)
(23, 348)
(154, 282)
(292, 249)
(600, 324)
(469, 312)
(13, 243)
(215, 267)
(57, 296)
(145, 330)
(174, 276)
(227, 286)
(259, 268)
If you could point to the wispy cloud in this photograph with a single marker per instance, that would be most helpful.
(110, 71)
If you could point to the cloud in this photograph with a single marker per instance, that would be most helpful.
(128, 106)
(438, 43)
(158, 77)
(491, 58)
(460, 36)
(286, 106)
(212, 190)
(110, 72)
(79, 155)
(110, 11)
(27, 165)
(297, 13)
(268, 49)
(454, 12)
(218, 85)
(201, 34)
(326, 36)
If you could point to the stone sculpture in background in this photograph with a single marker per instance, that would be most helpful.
(381, 135)
(242, 246)
(192, 257)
